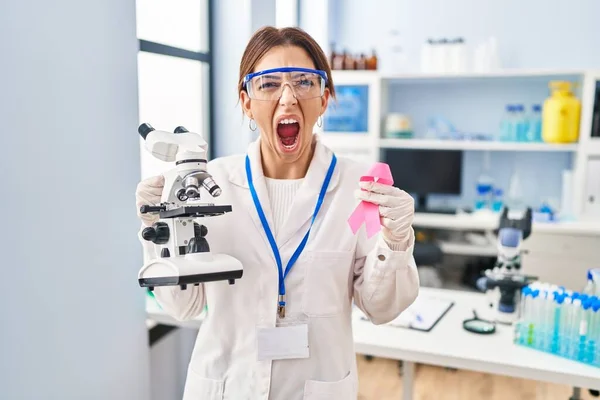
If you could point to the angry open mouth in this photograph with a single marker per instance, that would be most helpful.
(288, 131)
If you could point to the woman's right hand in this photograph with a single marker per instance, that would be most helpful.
(149, 192)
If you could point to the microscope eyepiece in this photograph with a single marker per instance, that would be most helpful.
(180, 129)
(144, 129)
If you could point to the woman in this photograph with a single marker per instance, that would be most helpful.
(254, 343)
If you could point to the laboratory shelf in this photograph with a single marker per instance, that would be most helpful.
(511, 74)
(467, 249)
(347, 140)
(473, 145)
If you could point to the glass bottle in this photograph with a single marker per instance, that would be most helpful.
(372, 61)
(361, 62)
(349, 61)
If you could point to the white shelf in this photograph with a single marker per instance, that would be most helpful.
(466, 249)
(500, 74)
(348, 140)
(473, 145)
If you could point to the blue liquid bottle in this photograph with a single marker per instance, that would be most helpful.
(484, 187)
(507, 125)
(520, 123)
(497, 200)
(534, 126)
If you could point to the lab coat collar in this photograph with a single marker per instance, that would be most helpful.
(306, 198)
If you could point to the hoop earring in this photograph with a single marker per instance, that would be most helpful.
(251, 126)
(319, 121)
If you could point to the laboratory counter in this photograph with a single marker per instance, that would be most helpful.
(449, 345)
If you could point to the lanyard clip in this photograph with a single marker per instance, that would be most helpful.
(281, 306)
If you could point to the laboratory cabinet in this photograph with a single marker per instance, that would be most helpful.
(466, 112)
(561, 258)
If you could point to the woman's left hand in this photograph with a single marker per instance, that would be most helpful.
(396, 209)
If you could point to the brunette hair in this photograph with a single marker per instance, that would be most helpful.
(268, 37)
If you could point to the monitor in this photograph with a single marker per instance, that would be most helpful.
(423, 172)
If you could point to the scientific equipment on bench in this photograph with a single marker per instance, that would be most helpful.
(185, 256)
(504, 282)
(478, 325)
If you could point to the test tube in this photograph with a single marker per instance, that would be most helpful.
(583, 330)
(594, 334)
(520, 328)
(532, 321)
(548, 320)
(573, 328)
(558, 322)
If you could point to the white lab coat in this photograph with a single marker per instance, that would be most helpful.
(336, 269)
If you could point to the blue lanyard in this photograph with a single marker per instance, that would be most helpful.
(265, 225)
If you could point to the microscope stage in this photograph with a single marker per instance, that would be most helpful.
(195, 211)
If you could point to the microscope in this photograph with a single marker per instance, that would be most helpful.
(504, 282)
(185, 257)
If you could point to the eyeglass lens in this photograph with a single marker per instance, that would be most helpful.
(270, 86)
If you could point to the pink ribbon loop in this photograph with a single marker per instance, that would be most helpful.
(368, 212)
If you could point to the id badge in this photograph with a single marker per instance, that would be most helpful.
(283, 342)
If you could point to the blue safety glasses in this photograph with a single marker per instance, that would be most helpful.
(305, 83)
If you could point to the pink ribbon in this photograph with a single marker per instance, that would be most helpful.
(368, 212)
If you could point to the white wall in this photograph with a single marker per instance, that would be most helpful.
(315, 20)
(531, 34)
(232, 33)
(72, 313)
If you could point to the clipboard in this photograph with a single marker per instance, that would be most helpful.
(422, 315)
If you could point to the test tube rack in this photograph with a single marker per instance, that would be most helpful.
(559, 322)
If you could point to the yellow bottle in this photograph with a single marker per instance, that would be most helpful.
(561, 114)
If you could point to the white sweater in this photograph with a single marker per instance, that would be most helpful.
(281, 196)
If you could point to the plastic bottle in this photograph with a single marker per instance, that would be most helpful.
(534, 125)
(457, 56)
(561, 114)
(442, 51)
(507, 125)
(427, 56)
(483, 187)
(497, 200)
(520, 123)
(514, 199)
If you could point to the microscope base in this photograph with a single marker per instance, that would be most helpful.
(183, 281)
(191, 269)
